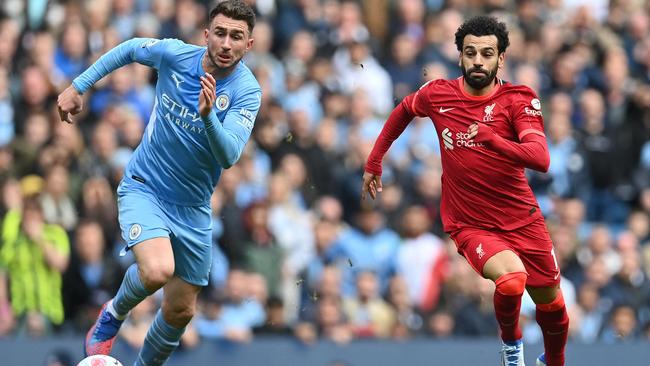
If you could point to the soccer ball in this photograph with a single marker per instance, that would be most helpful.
(99, 360)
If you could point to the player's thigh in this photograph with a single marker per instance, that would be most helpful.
(487, 252)
(179, 297)
(145, 230)
(535, 248)
(155, 258)
(192, 243)
(505, 261)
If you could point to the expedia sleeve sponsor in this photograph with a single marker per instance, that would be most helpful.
(532, 112)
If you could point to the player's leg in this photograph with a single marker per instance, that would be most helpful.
(144, 228)
(493, 259)
(192, 246)
(552, 317)
(544, 288)
(154, 267)
(509, 275)
(179, 303)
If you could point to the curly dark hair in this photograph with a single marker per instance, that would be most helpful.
(235, 9)
(483, 25)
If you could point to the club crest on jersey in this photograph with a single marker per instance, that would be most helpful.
(479, 251)
(222, 102)
(487, 116)
(135, 231)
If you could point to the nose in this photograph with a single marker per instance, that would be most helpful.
(226, 43)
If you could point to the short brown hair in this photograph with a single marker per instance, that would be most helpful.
(235, 9)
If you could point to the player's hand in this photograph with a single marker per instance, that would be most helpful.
(208, 94)
(69, 103)
(480, 132)
(371, 184)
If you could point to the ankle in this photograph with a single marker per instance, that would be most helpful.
(111, 309)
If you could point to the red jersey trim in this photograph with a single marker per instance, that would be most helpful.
(529, 131)
(475, 97)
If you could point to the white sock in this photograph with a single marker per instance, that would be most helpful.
(113, 312)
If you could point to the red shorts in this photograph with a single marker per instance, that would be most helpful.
(531, 243)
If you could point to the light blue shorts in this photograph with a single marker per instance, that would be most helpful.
(143, 216)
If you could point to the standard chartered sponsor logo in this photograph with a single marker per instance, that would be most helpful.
(460, 139)
(447, 139)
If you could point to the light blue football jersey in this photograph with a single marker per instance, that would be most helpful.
(174, 159)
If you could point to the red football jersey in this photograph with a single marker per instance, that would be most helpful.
(480, 187)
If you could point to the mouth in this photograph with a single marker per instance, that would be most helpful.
(224, 58)
(478, 73)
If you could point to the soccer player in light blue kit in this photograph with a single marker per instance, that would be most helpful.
(206, 104)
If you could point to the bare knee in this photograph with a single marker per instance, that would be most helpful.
(156, 274)
(177, 314)
(155, 259)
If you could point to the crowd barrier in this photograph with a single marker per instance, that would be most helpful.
(288, 352)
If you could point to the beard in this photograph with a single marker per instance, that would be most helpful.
(481, 79)
(220, 65)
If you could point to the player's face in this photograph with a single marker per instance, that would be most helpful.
(480, 60)
(228, 40)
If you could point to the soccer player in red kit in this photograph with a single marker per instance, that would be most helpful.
(490, 131)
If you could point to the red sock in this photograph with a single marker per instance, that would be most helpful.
(554, 321)
(507, 302)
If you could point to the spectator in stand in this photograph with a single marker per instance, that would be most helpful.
(92, 277)
(33, 256)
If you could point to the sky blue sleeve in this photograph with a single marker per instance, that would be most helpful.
(147, 51)
(227, 139)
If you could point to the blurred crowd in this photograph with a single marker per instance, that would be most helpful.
(295, 253)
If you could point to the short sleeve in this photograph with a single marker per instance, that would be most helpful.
(527, 113)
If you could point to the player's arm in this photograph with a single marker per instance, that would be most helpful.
(147, 51)
(399, 118)
(531, 150)
(228, 138)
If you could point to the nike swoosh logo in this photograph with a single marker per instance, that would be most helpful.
(443, 110)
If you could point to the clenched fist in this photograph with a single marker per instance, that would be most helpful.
(69, 103)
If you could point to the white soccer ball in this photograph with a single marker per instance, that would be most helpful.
(99, 360)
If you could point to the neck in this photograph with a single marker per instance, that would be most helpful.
(479, 92)
(214, 70)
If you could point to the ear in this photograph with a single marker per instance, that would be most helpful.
(206, 33)
(502, 60)
(249, 44)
